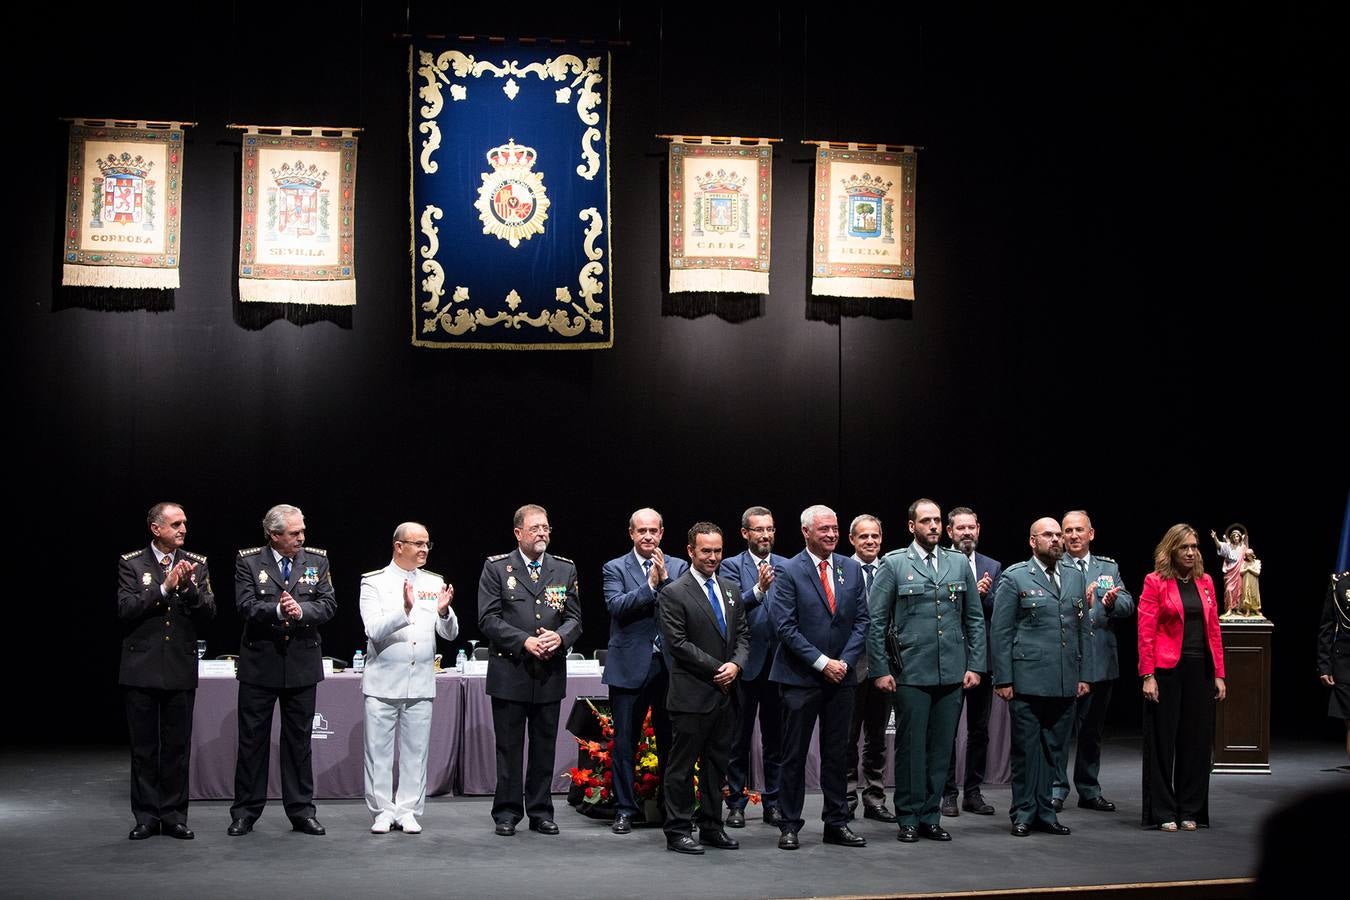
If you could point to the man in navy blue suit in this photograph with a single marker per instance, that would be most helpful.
(635, 669)
(963, 530)
(817, 608)
(755, 569)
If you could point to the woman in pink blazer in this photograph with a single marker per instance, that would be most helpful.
(1181, 663)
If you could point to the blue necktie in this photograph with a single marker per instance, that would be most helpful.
(716, 606)
(868, 575)
(285, 568)
(646, 574)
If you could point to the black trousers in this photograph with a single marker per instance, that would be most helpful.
(871, 711)
(832, 704)
(1179, 744)
(159, 725)
(704, 738)
(256, 704)
(511, 720)
(978, 700)
(629, 707)
(756, 697)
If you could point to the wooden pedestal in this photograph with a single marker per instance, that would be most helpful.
(1242, 721)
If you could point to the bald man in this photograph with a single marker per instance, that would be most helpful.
(1038, 653)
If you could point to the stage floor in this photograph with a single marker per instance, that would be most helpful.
(64, 816)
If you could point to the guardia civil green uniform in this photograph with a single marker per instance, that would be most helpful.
(1038, 650)
(933, 611)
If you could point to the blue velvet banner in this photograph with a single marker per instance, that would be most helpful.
(510, 198)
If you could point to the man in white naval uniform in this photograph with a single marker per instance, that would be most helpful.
(403, 608)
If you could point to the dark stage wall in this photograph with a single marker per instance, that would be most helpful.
(1128, 300)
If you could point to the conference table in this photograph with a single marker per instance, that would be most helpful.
(462, 754)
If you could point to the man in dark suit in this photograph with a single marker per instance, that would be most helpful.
(757, 697)
(816, 606)
(283, 593)
(925, 642)
(1038, 651)
(871, 707)
(163, 596)
(1107, 600)
(634, 667)
(528, 609)
(963, 530)
(705, 632)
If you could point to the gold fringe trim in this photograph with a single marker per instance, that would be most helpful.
(321, 293)
(719, 281)
(119, 277)
(889, 288)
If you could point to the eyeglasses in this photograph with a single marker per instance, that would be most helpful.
(538, 529)
(763, 529)
(420, 545)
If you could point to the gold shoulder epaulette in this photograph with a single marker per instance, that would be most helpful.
(250, 551)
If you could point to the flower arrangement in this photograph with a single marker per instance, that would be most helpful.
(597, 782)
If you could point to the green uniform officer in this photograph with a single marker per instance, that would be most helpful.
(1038, 653)
(925, 642)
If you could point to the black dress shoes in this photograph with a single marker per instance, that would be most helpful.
(880, 813)
(949, 806)
(908, 834)
(684, 844)
(239, 827)
(735, 818)
(843, 836)
(307, 825)
(934, 832)
(788, 841)
(505, 829)
(974, 803)
(716, 837)
(180, 831)
(1020, 829)
(1052, 828)
(1100, 804)
(141, 832)
(544, 826)
(773, 816)
(623, 823)
(1057, 804)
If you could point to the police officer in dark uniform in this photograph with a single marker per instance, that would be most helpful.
(284, 593)
(528, 609)
(163, 596)
(1333, 650)
(1038, 653)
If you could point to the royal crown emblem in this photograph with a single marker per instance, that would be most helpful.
(865, 211)
(123, 191)
(298, 206)
(512, 203)
(721, 206)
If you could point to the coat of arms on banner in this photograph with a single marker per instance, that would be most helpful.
(863, 242)
(512, 202)
(297, 227)
(719, 215)
(510, 199)
(123, 201)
